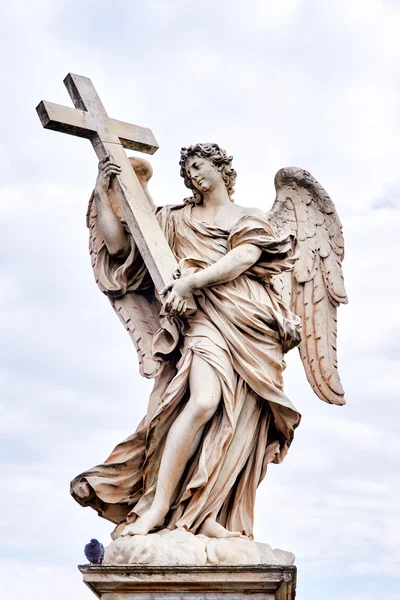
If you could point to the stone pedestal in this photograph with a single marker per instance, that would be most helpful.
(143, 582)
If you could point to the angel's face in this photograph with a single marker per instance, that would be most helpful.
(204, 176)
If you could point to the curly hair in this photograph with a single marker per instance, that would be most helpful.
(218, 158)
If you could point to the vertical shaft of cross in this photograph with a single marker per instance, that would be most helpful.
(109, 137)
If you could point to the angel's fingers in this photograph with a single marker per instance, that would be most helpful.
(168, 287)
(108, 171)
(111, 161)
(169, 302)
(111, 165)
(182, 308)
(179, 307)
(175, 304)
(106, 161)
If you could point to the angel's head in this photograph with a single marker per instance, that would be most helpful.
(202, 167)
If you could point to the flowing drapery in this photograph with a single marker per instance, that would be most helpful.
(242, 329)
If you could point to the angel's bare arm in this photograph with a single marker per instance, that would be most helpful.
(114, 234)
(234, 263)
(230, 266)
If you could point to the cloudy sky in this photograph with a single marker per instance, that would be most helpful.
(277, 83)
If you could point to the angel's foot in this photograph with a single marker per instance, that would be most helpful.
(211, 528)
(144, 524)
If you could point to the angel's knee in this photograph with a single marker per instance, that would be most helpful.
(202, 407)
(205, 391)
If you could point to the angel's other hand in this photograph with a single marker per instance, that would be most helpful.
(180, 291)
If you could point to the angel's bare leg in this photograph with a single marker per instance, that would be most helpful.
(182, 442)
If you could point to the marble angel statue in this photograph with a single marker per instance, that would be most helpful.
(250, 287)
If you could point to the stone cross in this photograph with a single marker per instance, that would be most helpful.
(109, 137)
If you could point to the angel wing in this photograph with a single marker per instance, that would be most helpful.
(138, 311)
(315, 287)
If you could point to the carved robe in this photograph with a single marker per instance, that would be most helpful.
(242, 329)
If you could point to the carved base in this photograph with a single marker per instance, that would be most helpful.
(179, 547)
(191, 583)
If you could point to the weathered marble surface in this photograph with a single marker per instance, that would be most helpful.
(191, 583)
(213, 294)
(179, 547)
(201, 451)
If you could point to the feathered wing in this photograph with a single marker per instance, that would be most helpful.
(315, 287)
(138, 311)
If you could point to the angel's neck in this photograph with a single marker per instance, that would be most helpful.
(216, 197)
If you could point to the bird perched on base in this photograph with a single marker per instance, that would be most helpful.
(94, 552)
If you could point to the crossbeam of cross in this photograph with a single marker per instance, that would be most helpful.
(108, 136)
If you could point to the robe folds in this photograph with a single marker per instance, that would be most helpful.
(242, 329)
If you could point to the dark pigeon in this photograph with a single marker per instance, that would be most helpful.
(94, 552)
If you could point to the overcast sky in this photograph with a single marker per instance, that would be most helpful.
(277, 83)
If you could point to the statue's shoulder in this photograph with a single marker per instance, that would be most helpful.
(168, 215)
(243, 213)
(169, 208)
(252, 212)
(241, 217)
